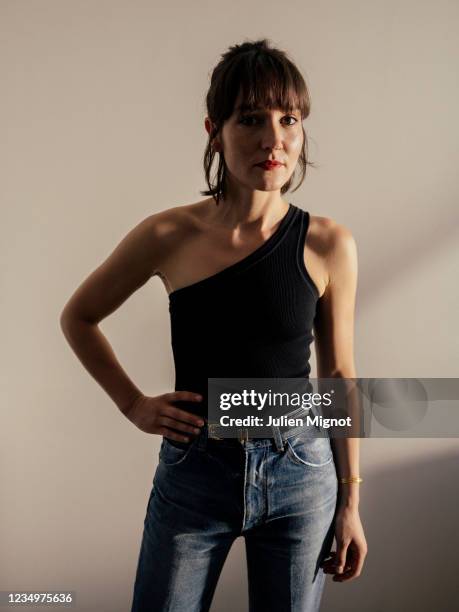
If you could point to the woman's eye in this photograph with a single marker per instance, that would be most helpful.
(250, 117)
(243, 119)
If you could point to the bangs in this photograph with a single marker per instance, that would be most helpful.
(267, 82)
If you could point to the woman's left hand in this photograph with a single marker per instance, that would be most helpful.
(351, 546)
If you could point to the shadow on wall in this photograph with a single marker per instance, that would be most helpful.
(434, 232)
(410, 519)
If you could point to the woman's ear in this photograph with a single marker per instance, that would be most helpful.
(210, 128)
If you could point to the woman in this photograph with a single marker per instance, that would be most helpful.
(248, 275)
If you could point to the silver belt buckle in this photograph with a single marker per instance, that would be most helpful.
(211, 427)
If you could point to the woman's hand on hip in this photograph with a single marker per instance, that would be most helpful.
(158, 415)
(351, 546)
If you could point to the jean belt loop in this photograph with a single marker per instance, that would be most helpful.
(243, 435)
(201, 443)
(277, 438)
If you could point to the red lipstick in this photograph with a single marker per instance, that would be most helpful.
(270, 164)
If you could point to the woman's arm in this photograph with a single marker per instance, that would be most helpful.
(135, 259)
(128, 267)
(334, 342)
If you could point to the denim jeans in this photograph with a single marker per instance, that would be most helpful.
(280, 495)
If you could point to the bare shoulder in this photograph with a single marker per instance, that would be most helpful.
(327, 234)
(334, 246)
(170, 226)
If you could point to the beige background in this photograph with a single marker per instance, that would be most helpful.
(102, 124)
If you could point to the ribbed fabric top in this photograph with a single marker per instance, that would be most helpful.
(254, 318)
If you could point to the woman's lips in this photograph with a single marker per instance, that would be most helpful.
(270, 165)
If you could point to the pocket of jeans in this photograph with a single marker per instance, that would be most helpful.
(310, 451)
(172, 452)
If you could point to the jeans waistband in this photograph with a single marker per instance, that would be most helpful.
(279, 433)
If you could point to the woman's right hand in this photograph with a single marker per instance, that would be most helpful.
(158, 415)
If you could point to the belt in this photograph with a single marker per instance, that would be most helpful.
(214, 428)
(279, 432)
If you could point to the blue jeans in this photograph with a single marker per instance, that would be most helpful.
(279, 493)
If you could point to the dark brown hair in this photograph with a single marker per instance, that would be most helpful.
(267, 78)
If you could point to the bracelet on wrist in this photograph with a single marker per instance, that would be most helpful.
(351, 479)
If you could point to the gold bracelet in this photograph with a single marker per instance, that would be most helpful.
(351, 479)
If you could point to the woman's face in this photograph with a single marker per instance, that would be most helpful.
(250, 137)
